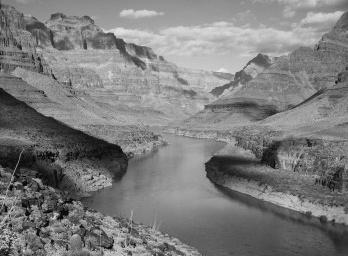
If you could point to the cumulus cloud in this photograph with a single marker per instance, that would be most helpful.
(320, 18)
(137, 14)
(227, 37)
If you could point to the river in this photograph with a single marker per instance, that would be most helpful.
(169, 188)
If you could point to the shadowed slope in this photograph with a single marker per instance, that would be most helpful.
(66, 156)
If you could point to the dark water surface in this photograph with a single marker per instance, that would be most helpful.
(170, 188)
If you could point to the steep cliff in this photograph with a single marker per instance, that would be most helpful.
(17, 46)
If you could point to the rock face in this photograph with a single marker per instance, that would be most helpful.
(17, 46)
(249, 72)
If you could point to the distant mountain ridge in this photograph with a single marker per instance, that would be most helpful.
(284, 83)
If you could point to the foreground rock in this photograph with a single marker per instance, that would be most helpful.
(38, 220)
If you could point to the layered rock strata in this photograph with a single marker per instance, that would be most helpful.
(81, 111)
(249, 72)
(17, 46)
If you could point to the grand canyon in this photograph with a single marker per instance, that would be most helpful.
(93, 125)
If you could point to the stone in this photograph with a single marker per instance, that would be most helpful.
(76, 243)
(96, 238)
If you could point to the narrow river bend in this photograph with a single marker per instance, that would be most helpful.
(170, 188)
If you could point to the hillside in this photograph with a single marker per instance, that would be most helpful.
(68, 158)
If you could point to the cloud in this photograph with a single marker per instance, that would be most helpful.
(291, 6)
(220, 38)
(26, 1)
(137, 14)
(320, 17)
(222, 70)
(303, 4)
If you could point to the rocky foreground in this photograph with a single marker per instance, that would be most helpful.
(38, 220)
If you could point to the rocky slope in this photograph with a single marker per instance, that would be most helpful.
(68, 158)
(39, 220)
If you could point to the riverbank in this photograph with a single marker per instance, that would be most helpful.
(239, 170)
(39, 220)
(302, 174)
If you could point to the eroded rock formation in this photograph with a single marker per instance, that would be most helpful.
(249, 72)
(17, 46)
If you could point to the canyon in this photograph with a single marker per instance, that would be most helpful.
(77, 103)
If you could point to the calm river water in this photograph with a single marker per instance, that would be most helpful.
(169, 187)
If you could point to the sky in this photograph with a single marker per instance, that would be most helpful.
(217, 35)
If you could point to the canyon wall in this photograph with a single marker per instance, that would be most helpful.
(17, 47)
(86, 58)
(279, 83)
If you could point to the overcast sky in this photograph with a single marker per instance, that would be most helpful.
(205, 34)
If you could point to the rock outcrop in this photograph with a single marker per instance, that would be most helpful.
(249, 72)
(17, 46)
